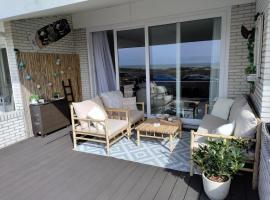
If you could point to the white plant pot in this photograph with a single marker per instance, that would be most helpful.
(34, 101)
(215, 190)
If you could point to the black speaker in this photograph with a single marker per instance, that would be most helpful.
(52, 32)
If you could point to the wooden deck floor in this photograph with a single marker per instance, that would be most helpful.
(48, 169)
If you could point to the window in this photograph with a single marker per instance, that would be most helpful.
(6, 99)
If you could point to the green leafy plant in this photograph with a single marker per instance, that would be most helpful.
(34, 97)
(220, 159)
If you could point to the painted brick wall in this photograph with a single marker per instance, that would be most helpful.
(12, 128)
(12, 124)
(261, 95)
(80, 45)
(242, 14)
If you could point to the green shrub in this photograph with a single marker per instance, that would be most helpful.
(221, 157)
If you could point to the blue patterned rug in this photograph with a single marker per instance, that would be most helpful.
(151, 151)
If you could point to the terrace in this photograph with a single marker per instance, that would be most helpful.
(113, 99)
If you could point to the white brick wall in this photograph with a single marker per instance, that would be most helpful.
(237, 84)
(261, 95)
(12, 128)
(80, 44)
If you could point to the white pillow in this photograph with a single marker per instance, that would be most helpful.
(246, 123)
(130, 103)
(113, 99)
(222, 108)
(96, 112)
(226, 129)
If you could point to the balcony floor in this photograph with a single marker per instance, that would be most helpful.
(47, 168)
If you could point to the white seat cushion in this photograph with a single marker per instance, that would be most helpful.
(210, 123)
(114, 128)
(112, 99)
(246, 123)
(222, 108)
(135, 116)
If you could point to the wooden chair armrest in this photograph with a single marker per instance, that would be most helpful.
(142, 105)
(220, 136)
(118, 110)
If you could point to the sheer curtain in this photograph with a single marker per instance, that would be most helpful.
(104, 69)
(215, 61)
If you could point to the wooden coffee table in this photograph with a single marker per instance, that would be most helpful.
(164, 130)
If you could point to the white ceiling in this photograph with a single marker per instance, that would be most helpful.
(39, 8)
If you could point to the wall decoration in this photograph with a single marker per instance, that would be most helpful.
(52, 32)
(21, 65)
(58, 61)
(38, 86)
(41, 68)
(56, 74)
(258, 41)
(28, 77)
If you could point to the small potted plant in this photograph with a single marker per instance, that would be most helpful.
(219, 160)
(34, 98)
(56, 95)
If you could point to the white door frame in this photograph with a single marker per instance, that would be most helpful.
(224, 13)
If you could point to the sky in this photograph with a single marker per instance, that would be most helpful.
(191, 53)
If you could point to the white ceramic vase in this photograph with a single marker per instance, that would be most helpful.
(215, 190)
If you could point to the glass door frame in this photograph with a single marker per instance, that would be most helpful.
(224, 14)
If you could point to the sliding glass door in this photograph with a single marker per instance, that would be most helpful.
(131, 59)
(183, 68)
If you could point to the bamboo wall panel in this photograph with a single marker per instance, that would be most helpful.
(44, 72)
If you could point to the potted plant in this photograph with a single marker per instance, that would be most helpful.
(219, 160)
(34, 98)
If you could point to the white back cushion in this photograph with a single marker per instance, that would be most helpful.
(236, 107)
(112, 99)
(246, 123)
(81, 109)
(222, 108)
(130, 103)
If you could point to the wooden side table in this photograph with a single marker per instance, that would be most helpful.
(165, 129)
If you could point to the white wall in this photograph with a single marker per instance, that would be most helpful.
(261, 95)
(147, 10)
(13, 8)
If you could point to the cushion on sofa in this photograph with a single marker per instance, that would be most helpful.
(98, 101)
(130, 103)
(225, 129)
(98, 113)
(81, 109)
(210, 123)
(246, 123)
(236, 107)
(135, 116)
(113, 99)
(114, 127)
(222, 108)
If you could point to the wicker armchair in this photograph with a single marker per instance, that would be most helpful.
(107, 131)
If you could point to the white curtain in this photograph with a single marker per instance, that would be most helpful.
(215, 64)
(104, 69)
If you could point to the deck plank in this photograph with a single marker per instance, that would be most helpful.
(48, 168)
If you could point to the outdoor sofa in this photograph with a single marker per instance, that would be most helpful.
(231, 119)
